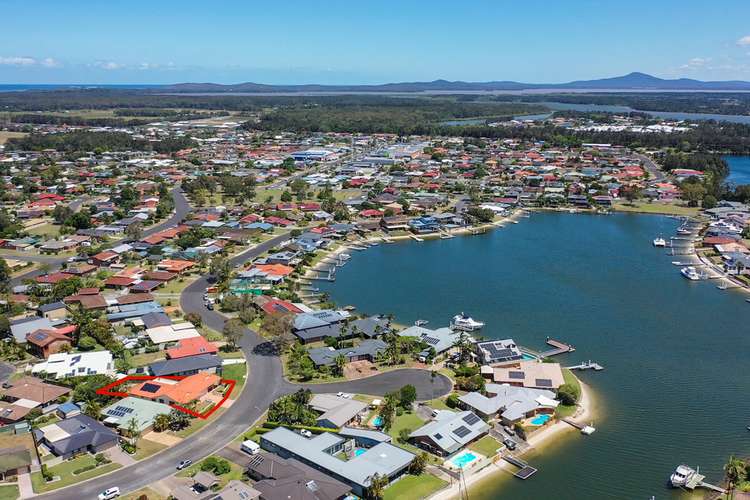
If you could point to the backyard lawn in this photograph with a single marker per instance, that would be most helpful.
(563, 411)
(8, 492)
(414, 487)
(487, 446)
(655, 208)
(237, 373)
(65, 471)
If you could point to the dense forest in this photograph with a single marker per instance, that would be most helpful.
(122, 118)
(91, 141)
(404, 116)
(682, 102)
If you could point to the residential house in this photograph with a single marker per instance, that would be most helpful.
(182, 392)
(449, 432)
(320, 452)
(190, 365)
(336, 411)
(368, 350)
(529, 374)
(497, 351)
(79, 434)
(279, 478)
(120, 413)
(43, 343)
(510, 403)
(61, 365)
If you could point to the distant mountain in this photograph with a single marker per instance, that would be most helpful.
(632, 81)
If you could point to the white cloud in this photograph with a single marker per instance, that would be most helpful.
(49, 62)
(108, 65)
(18, 61)
(696, 63)
(744, 41)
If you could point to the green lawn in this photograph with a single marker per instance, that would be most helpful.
(414, 487)
(147, 448)
(563, 411)
(237, 373)
(235, 472)
(487, 446)
(9, 492)
(406, 421)
(197, 424)
(437, 404)
(656, 208)
(65, 471)
(44, 230)
(146, 358)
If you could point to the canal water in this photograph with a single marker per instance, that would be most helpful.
(739, 169)
(674, 388)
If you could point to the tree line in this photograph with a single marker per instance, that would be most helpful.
(82, 141)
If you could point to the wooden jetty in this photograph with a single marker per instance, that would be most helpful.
(524, 471)
(415, 237)
(584, 428)
(697, 481)
(558, 348)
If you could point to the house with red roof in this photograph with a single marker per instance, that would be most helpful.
(192, 346)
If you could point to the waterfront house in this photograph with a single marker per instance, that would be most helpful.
(317, 325)
(497, 351)
(323, 452)
(74, 435)
(441, 339)
(510, 403)
(529, 374)
(449, 432)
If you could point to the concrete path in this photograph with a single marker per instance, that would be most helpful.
(24, 486)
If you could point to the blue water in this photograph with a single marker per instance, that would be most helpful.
(739, 169)
(540, 419)
(464, 459)
(377, 421)
(359, 451)
(674, 352)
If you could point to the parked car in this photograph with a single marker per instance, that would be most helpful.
(210, 306)
(509, 443)
(306, 433)
(109, 493)
(508, 429)
(183, 464)
(250, 447)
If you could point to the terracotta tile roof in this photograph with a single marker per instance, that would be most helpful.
(191, 347)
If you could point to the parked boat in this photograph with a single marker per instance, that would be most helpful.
(690, 273)
(660, 242)
(681, 476)
(421, 322)
(466, 323)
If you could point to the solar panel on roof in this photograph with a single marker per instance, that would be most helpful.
(543, 382)
(516, 375)
(431, 340)
(471, 419)
(461, 431)
(150, 387)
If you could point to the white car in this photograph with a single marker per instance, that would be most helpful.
(109, 493)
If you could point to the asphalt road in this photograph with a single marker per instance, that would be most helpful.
(657, 175)
(264, 384)
(181, 205)
(6, 371)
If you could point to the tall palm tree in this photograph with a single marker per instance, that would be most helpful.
(340, 361)
(735, 470)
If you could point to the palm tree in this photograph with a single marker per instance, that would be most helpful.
(133, 432)
(161, 422)
(340, 362)
(378, 484)
(735, 470)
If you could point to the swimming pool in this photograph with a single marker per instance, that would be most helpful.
(463, 459)
(527, 357)
(540, 419)
(377, 421)
(359, 451)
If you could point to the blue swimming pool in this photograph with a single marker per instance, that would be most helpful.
(377, 421)
(527, 357)
(359, 451)
(463, 459)
(540, 419)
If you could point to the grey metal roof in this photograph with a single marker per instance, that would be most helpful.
(20, 328)
(383, 459)
(52, 306)
(451, 431)
(326, 356)
(187, 364)
(514, 402)
(83, 431)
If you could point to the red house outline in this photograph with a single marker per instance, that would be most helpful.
(107, 390)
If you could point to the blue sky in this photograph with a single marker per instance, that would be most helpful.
(291, 41)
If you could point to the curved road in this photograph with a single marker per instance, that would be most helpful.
(264, 384)
(181, 209)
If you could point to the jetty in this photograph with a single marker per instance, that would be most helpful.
(585, 429)
(524, 471)
(558, 348)
(696, 480)
(415, 237)
(586, 365)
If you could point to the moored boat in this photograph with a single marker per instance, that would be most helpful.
(690, 273)
(660, 242)
(681, 476)
(466, 323)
